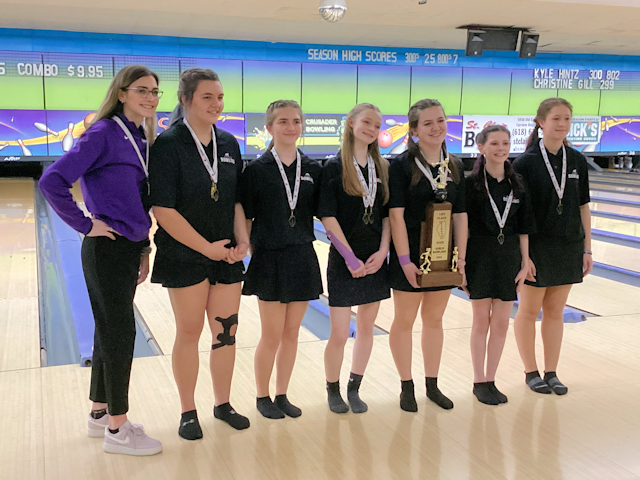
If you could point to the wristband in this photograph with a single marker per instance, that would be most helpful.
(404, 259)
(349, 257)
(588, 252)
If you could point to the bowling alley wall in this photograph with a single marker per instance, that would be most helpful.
(51, 83)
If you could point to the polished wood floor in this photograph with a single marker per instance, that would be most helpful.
(592, 433)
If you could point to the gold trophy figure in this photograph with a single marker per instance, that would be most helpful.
(426, 261)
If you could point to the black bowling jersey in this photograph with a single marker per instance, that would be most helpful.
(349, 210)
(415, 199)
(264, 199)
(180, 181)
(544, 199)
(482, 220)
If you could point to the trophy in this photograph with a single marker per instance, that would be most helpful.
(438, 258)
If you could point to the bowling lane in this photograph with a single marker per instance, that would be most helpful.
(617, 209)
(616, 226)
(602, 187)
(616, 255)
(19, 317)
(625, 197)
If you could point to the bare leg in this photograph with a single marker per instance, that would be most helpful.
(224, 301)
(288, 349)
(479, 330)
(499, 325)
(433, 307)
(272, 318)
(188, 305)
(553, 324)
(406, 306)
(364, 337)
(525, 325)
(334, 351)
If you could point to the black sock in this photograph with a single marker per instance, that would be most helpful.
(501, 397)
(287, 407)
(268, 409)
(554, 382)
(536, 384)
(336, 403)
(483, 394)
(113, 432)
(98, 414)
(435, 395)
(226, 413)
(353, 395)
(408, 397)
(189, 426)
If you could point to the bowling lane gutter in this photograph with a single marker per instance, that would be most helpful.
(76, 318)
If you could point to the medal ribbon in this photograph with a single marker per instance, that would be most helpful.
(427, 171)
(502, 220)
(559, 188)
(212, 170)
(292, 198)
(369, 198)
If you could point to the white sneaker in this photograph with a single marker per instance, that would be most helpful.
(130, 440)
(95, 427)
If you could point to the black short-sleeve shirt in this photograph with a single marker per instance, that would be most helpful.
(482, 220)
(544, 199)
(180, 181)
(349, 210)
(415, 199)
(264, 199)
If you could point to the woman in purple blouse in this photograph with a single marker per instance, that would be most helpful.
(111, 161)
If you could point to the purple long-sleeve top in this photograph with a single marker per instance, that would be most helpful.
(112, 180)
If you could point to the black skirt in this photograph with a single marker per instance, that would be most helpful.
(492, 268)
(557, 260)
(397, 280)
(285, 275)
(174, 274)
(346, 291)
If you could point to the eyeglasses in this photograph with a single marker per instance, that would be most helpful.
(144, 91)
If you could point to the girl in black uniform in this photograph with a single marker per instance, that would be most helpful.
(201, 239)
(560, 251)
(411, 187)
(280, 198)
(355, 189)
(497, 254)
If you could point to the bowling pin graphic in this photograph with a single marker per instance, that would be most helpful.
(25, 151)
(2, 147)
(67, 141)
(43, 128)
(390, 122)
(401, 147)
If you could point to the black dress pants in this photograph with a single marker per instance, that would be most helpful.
(111, 273)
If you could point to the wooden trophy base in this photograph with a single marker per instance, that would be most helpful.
(440, 279)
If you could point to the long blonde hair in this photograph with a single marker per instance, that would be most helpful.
(112, 105)
(350, 181)
(272, 110)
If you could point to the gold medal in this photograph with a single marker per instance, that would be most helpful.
(559, 208)
(292, 220)
(501, 237)
(214, 192)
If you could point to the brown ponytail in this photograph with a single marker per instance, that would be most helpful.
(543, 111)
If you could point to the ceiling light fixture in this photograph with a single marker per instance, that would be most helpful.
(333, 10)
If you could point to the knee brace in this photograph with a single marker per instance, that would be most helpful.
(225, 338)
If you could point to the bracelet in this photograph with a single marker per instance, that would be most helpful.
(588, 252)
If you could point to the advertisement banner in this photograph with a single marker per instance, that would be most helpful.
(584, 130)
